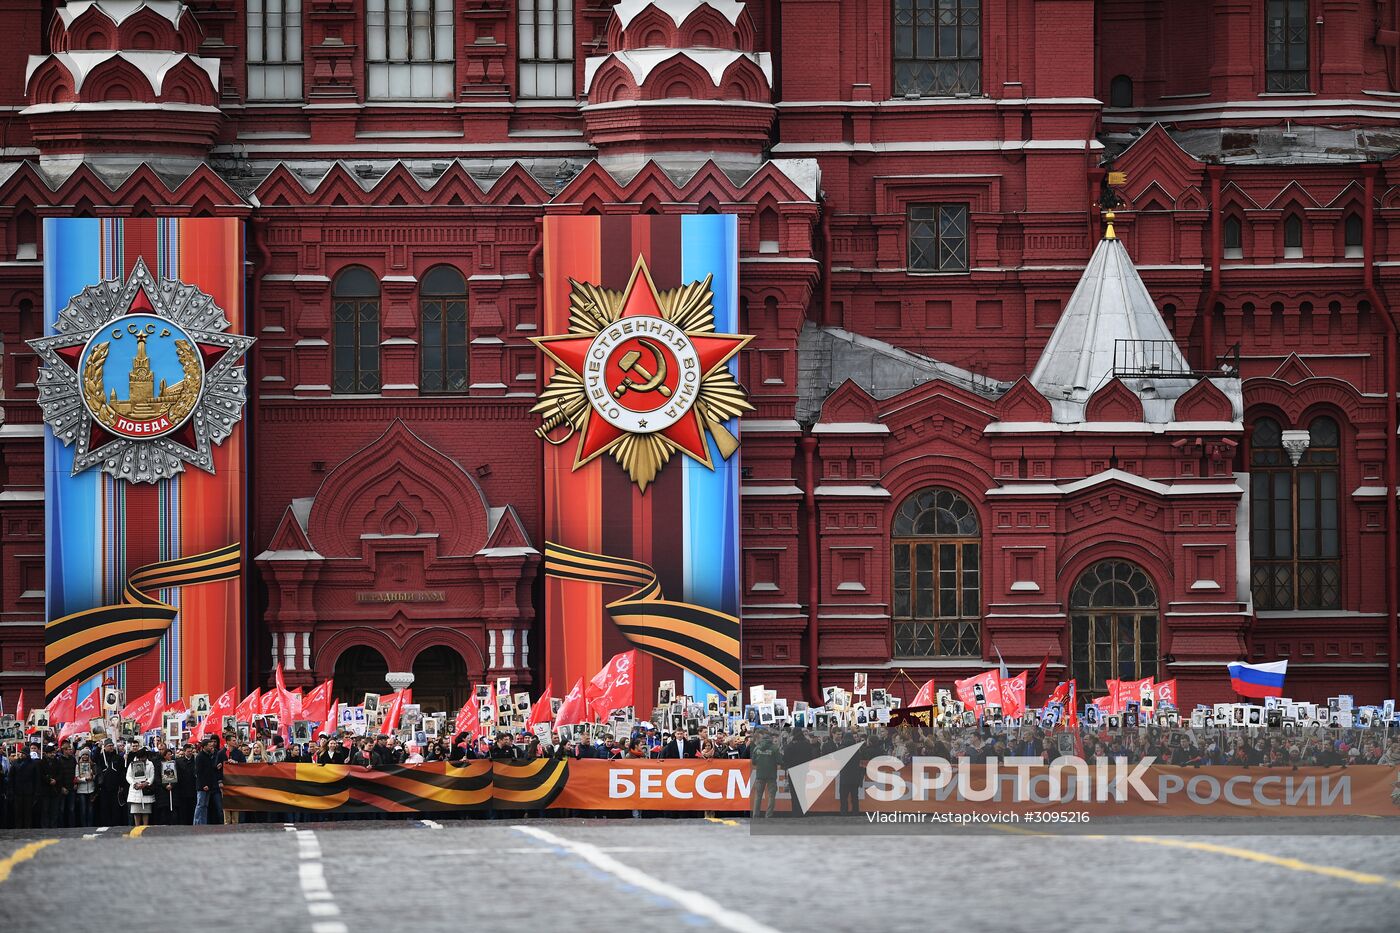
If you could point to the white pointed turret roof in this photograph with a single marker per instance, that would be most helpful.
(1109, 304)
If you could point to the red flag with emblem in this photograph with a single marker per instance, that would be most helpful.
(146, 709)
(90, 708)
(61, 708)
(541, 712)
(1013, 695)
(1125, 692)
(990, 684)
(611, 688)
(225, 705)
(250, 707)
(575, 707)
(925, 695)
(1166, 693)
(468, 718)
(315, 706)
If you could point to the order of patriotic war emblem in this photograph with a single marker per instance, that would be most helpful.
(142, 378)
(641, 375)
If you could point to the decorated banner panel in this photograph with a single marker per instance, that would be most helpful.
(143, 390)
(640, 414)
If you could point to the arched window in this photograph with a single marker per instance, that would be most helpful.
(1234, 238)
(408, 49)
(545, 29)
(1295, 547)
(360, 669)
(1351, 236)
(937, 559)
(443, 305)
(1293, 237)
(274, 49)
(355, 297)
(937, 48)
(1286, 46)
(1113, 625)
(1120, 91)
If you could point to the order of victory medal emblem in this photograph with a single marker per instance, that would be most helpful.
(142, 377)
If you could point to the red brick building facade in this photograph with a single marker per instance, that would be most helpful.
(982, 425)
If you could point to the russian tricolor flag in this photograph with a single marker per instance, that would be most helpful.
(1258, 680)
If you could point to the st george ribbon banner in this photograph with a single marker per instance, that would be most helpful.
(142, 388)
(956, 793)
(640, 419)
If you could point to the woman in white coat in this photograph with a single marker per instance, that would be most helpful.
(141, 779)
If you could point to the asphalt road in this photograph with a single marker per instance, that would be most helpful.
(654, 874)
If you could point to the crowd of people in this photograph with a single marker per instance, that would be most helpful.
(85, 782)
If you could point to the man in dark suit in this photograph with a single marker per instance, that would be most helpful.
(24, 787)
(109, 773)
(680, 746)
(184, 786)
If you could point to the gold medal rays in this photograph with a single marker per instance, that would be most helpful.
(564, 401)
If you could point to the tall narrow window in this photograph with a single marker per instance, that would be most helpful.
(1120, 91)
(1234, 241)
(937, 559)
(1293, 237)
(444, 344)
(1286, 46)
(1113, 625)
(274, 49)
(409, 49)
(1351, 232)
(938, 238)
(546, 33)
(1295, 545)
(355, 320)
(937, 48)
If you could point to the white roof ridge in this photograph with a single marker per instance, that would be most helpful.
(677, 10)
(642, 62)
(118, 11)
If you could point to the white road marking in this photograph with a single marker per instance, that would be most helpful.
(692, 902)
(312, 876)
(431, 824)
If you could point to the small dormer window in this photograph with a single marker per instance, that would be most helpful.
(1293, 237)
(1351, 230)
(1234, 238)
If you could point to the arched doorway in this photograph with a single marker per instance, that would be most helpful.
(440, 679)
(359, 670)
(1113, 625)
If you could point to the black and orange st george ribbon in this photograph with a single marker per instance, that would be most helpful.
(86, 643)
(703, 641)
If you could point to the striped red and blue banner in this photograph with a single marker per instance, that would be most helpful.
(99, 530)
(685, 525)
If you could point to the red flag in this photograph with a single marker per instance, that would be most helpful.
(925, 695)
(612, 686)
(250, 707)
(179, 706)
(19, 707)
(468, 718)
(223, 706)
(541, 712)
(283, 700)
(1166, 693)
(315, 706)
(146, 710)
(1037, 680)
(575, 707)
(1066, 694)
(1104, 703)
(61, 707)
(990, 682)
(393, 711)
(329, 724)
(90, 708)
(1013, 695)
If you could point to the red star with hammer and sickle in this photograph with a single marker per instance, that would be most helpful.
(98, 435)
(641, 299)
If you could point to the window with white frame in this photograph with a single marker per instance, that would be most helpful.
(408, 45)
(274, 49)
(546, 53)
